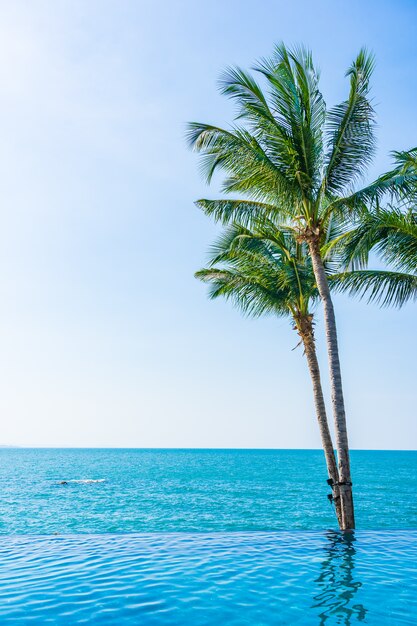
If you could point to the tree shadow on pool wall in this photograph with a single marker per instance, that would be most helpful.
(337, 583)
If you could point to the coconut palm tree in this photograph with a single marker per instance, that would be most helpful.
(392, 234)
(267, 271)
(290, 157)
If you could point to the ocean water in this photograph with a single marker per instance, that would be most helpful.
(196, 490)
(204, 537)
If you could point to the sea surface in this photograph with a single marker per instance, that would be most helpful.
(204, 537)
(116, 491)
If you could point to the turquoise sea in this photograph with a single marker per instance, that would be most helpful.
(203, 537)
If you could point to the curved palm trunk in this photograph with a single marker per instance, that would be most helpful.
(305, 330)
(342, 444)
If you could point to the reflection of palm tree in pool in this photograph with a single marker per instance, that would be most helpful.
(337, 584)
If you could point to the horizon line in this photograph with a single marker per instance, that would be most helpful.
(243, 449)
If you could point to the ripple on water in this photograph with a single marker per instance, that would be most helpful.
(228, 578)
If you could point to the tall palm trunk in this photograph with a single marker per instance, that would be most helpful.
(342, 444)
(305, 330)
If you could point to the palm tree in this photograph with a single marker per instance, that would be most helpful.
(267, 271)
(292, 158)
(392, 233)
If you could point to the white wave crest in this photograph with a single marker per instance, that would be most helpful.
(86, 480)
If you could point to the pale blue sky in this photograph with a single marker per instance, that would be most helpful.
(106, 339)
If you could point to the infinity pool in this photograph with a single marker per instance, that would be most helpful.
(220, 578)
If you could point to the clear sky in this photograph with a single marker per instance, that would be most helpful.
(106, 339)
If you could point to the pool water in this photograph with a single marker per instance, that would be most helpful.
(205, 579)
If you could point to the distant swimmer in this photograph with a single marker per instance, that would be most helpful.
(81, 481)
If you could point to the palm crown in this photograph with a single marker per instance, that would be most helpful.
(288, 155)
(261, 271)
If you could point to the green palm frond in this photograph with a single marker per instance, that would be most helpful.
(249, 295)
(350, 129)
(398, 184)
(263, 123)
(245, 212)
(332, 246)
(249, 167)
(382, 287)
(298, 105)
(261, 271)
(390, 232)
(406, 160)
(264, 238)
(249, 96)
